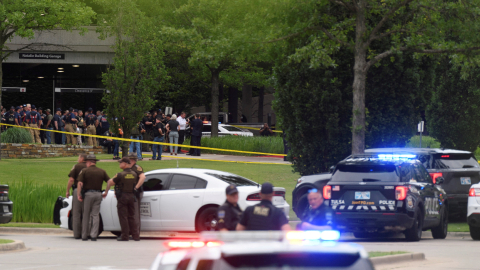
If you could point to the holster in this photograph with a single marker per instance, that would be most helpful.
(74, 186)
(83, 194)
(118, 192)
(136, 194)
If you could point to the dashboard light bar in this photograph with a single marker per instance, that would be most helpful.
(396, 157)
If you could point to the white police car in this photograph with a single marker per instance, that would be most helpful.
(473, 211)
(180, 199)
(263, 250)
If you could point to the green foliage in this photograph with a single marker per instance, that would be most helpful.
(6, 241)
(16, 135)
(33, 201)
(453, 113)
(427, 142)
(272, 144)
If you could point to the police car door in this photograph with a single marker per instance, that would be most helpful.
(429, 194)
(150, 212)
(180, 203)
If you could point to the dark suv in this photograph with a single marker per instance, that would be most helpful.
(375, 194)
(460, 169)
(5, 205)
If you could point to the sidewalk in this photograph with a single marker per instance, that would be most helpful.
(214, 157)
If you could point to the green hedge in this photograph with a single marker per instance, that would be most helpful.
(16, 135)
(272, 144)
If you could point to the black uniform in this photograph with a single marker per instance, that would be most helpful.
(322, 216)
(228, 216)
(263, 217)
(58, 136)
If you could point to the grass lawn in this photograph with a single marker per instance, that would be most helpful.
(6, 241)
(30, 225)
(55, 171)
(458, 227)
(372, 254)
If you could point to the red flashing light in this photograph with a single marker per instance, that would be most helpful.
(401, 193)
(190, 244)
(327, 192)
(445, 156)
(435, 175)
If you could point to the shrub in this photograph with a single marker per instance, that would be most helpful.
(16, 135)
(272, 144)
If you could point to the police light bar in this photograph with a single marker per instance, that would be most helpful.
(190, 244)
(327, 235)
(397, 157)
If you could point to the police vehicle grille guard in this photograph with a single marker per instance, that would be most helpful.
(381, 208)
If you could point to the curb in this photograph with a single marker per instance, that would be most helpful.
(398, 258)
(17, 245)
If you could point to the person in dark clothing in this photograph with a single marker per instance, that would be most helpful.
(158, 133)
(57, 125)
(10, 117)
(265, 130)
(318, 216)
(263, 216)
(148, 135)
(196, 126)
(229, 213)
(173, 127)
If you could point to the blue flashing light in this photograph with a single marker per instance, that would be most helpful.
(330, 235)
(327, 235)
(397, 157)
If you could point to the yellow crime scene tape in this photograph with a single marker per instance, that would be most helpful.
(279, 131)
(148, 142)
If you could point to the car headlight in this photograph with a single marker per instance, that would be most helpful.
(65, 204)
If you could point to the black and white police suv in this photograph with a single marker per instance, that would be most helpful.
(374, 194)
(5, 205)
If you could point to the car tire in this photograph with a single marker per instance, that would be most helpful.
(475, 232)
(302, 205)
(441, 231)
(414, 234)
(116, 233)
(205, 218)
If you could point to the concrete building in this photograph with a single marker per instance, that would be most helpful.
(57, 68)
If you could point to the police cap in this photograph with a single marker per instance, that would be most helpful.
(267, 188)
(132, 156)
(125, 160)
(12, 108)
(75, 110)
(231, 189)
(58, 110)
(33, 107)
(91, 157)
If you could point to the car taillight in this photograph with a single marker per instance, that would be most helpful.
(435, 175)
(254, 197)
(401, 193)
(279, 193)
(474, 192)
(327, 192)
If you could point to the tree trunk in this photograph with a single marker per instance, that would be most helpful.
(260, 104)
(233, 105)
(247, 102)
(359, 78)
(220, 98)
(1, 84)
(215, 80)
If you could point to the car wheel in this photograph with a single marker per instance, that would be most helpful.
(475, 232)
(207, 219)
(116, 233)
(414, 234)
(441, 231)
(302, 205)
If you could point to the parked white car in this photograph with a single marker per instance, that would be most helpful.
(180, 200)
(473, 211)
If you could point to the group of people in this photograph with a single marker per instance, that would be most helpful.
(86, 180)
(265, 216)
(155, 127)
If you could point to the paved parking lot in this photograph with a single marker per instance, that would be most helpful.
(63, 252)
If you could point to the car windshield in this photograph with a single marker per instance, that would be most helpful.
(230, 128)
(454, 161)
(289, 261)
(365, 173)
(233, 179)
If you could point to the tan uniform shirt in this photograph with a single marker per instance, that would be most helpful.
(93, 178)
(75, 171)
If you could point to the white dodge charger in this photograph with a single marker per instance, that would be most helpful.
(180, 200)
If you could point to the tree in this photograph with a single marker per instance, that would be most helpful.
(23, 18)
(137, 73)
(418, 26)
(453, 113)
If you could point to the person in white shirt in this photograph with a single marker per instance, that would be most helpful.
(181, 133)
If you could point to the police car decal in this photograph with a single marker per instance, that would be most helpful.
(145, 209)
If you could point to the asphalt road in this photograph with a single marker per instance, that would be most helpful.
(63, 252)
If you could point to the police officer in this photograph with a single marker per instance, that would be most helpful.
(318, 216)
(229, 213)
(89, 191)
(125, 186)
(148, 135)
(34, 120)
(48, 125)
(71, 120)
(81, 127)
(91, 122)
(77, 206)
(10, 117)
(19, 119)
(263, 216)
(42, 117)
(57, 125)
(141, 179)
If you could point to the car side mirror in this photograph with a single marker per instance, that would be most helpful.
(439, 180)
(332, 168)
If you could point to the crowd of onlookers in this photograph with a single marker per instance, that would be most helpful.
(155, 126)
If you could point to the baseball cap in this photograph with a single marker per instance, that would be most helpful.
(33, 107)
(17, 108)
(40, 108)
(75, 110)
(24, 105)
(124, 159)
(12, 108)
(58, 110)
(231, 189)
(90, 109)
(48, 110)
(267, 188)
